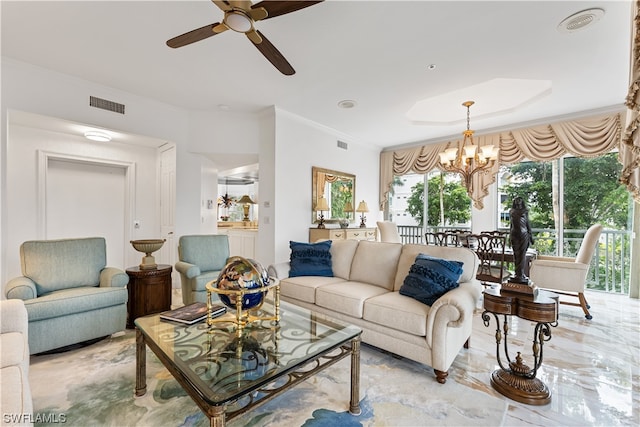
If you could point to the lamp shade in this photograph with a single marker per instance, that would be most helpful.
(362, 207)
(322, 204)
(246, 200)
(348, 207)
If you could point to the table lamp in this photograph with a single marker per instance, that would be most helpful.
(322, 206)
(245, 201)
(362, 208)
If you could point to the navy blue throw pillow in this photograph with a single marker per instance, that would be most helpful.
(429, 278)
(310, 259)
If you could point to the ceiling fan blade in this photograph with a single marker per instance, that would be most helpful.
(222, 4)
(194, 35)
(241, 4)
(273, 55)
(276, 8)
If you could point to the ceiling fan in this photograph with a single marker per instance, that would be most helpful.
(240, 16)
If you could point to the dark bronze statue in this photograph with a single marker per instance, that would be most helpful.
(521, 238)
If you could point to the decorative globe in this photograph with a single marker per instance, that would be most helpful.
(242, 274)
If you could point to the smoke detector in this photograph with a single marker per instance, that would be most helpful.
(580, 20)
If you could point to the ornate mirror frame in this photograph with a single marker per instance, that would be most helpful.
(338, 188)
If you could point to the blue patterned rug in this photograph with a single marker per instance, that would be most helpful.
(93, 386)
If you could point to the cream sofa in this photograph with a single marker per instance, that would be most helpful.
(16, 403)
(365, 292)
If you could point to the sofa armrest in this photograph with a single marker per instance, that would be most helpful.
(452, 310)
(189, 270)
(279, 270)
(111, 277)
(21, 288)
(13, 317)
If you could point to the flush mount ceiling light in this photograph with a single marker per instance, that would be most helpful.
(96, 135)
(580, 20)
(347, 103)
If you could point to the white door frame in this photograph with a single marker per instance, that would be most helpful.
(129, 202)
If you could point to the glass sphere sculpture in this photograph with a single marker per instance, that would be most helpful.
(241, 275)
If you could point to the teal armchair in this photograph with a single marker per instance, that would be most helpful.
(70, 294)
(201, 258)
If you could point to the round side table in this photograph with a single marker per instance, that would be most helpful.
(149, 291)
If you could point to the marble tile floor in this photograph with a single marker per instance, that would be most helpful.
(592, 367)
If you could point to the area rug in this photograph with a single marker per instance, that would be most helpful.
(93, 386)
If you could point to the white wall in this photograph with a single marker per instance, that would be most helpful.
(41, 91)
(22, 221)
(299, 145)
(287, 147)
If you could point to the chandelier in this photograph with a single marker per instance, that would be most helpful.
(467, 161)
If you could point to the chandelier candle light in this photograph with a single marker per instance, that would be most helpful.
(467, 161)
(362, 208)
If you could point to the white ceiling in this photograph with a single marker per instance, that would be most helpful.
(374, 52)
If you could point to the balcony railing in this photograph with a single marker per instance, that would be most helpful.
(610, 265)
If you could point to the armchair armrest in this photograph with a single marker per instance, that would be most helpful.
(111, 277)
(13, 316)
(554, 258)
(279, 270)
(189, 270)
(21, 288)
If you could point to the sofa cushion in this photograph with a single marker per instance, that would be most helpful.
(303, 288)
(429, 278)
(310, 259)
(65, 263)
(342, 252)
(398, 312)
(376, 263)
(410, 251)
(76, 300)
(347, 297)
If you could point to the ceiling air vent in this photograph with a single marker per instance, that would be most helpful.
(343, 145)
(106, 104)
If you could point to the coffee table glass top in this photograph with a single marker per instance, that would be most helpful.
(223, 367)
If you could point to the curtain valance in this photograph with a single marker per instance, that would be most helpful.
(588, 137)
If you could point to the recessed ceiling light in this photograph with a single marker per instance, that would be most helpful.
(580, 20)
(95, 135)
(347, 103)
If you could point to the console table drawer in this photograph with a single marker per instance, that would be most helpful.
(316, 234)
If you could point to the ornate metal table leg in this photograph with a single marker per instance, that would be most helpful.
(217, 417)
(141, 364)
(518, 381)
(354, 403)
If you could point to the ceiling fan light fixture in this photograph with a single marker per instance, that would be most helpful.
(98, 136)
(238, 21)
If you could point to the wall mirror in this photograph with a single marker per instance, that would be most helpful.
(338, 188)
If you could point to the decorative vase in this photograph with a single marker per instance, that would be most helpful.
(148, 247)
(344, 223)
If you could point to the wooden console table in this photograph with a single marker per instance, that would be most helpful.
(316, 234)
(518, 381)
(149, 292)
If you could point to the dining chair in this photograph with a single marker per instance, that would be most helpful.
(490, 251)
(441, 238)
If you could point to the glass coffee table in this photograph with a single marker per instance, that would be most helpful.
(227, 375)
